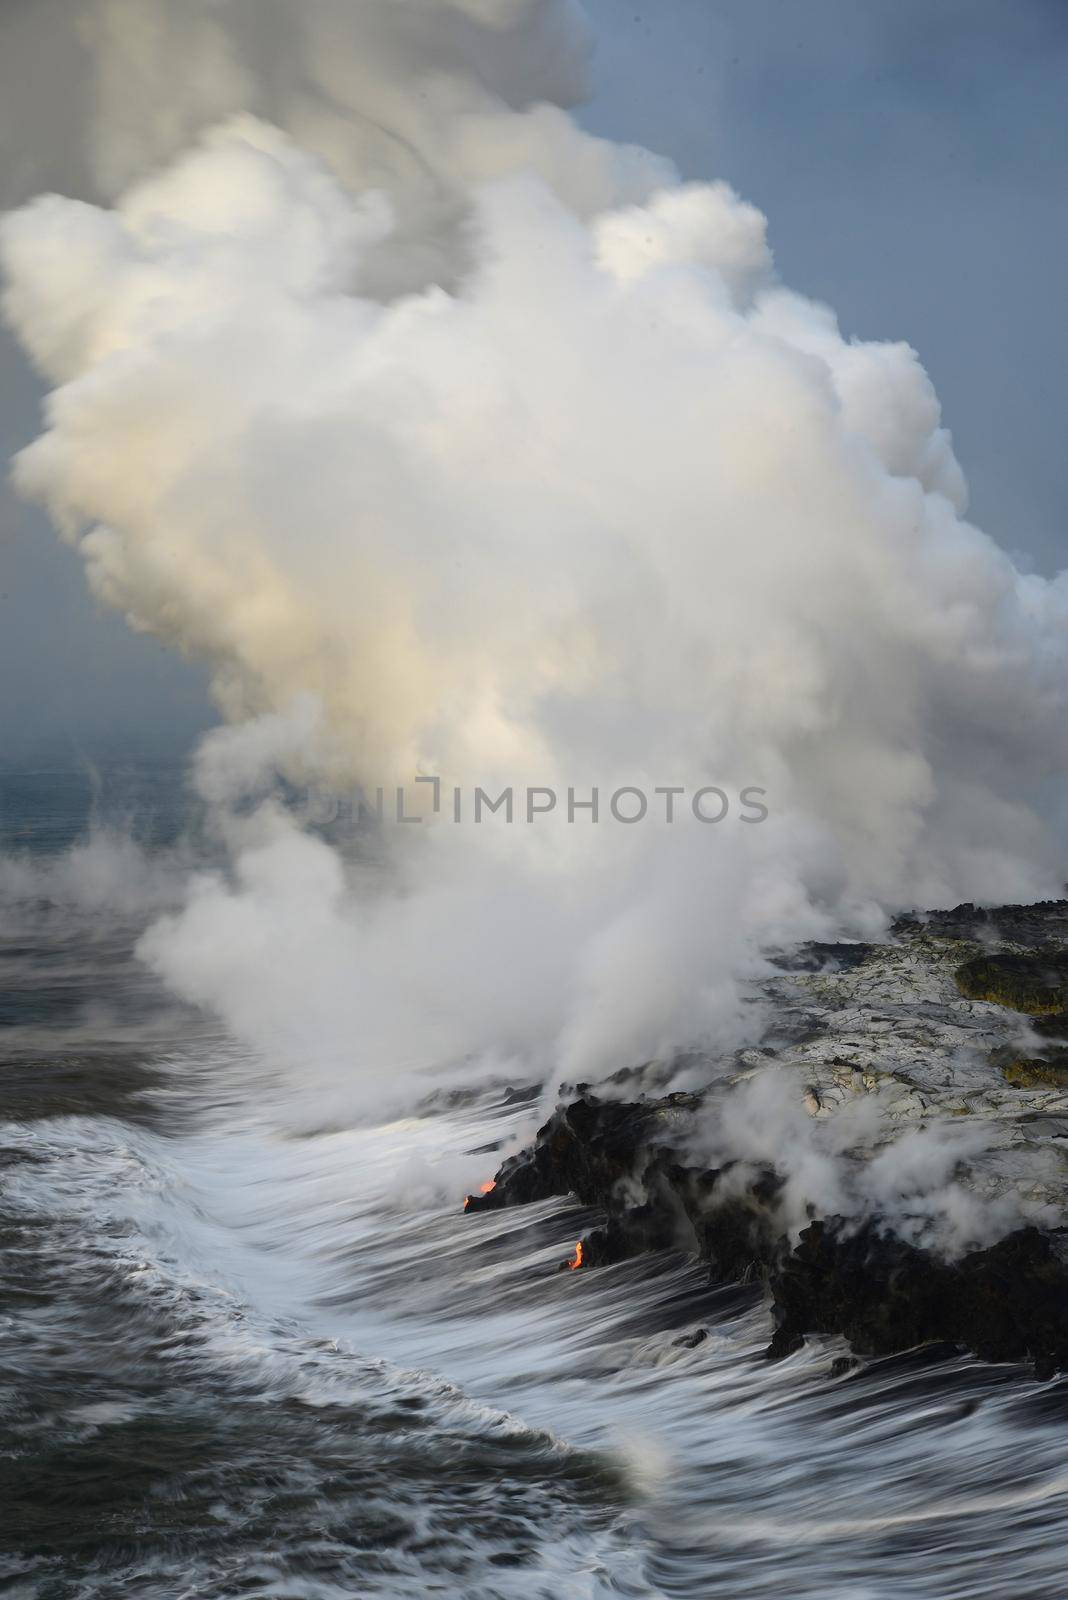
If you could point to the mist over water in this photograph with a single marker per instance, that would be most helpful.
(460, 445)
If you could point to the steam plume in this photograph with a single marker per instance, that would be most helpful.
(460, 442)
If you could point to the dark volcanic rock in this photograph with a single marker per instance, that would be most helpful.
(820, 957)
(584, 1149)
(1026, 1071)
(1055, 1026)
(1035, 984)
(1005, 1303)
(1045, 923)
(612, 1154)
(898, 1024)
(1034, 1072)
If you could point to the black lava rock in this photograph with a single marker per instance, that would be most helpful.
(1005, 1303)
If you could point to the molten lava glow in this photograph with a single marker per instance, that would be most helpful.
(576, 1261)
(485, 1188)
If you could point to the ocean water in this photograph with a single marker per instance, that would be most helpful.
(242, 1360)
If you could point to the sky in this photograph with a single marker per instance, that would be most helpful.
(911, 159)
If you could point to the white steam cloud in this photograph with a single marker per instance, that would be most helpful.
(860, 1166)
(459, 442)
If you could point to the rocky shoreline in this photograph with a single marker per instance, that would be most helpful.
(957, 1026)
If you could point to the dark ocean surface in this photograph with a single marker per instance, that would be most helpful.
(242, 1360)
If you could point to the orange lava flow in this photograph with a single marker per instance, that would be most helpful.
(576, 1261)
(485, 1188)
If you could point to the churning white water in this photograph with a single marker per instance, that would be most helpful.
(245, 1360)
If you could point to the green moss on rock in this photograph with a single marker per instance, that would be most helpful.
(1032, 1072)
(1035, 984)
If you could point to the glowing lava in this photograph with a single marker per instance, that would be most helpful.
(576, 1260)
(485, 1188)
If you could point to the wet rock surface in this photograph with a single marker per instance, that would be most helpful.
(1008, 1302)
(901, 1029)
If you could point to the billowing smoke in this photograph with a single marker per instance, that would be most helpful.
(462, 444)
